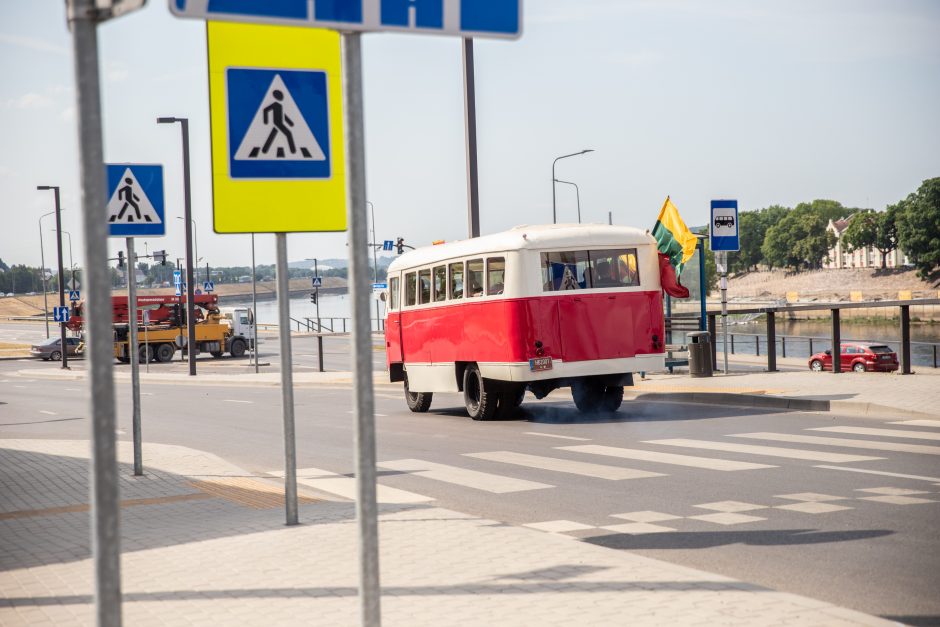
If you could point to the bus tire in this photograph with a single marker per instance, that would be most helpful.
(588, 395)
(418, 402)
(480, 397)
(510, 398)
(238, 347)
(612, 399)
(165, 353)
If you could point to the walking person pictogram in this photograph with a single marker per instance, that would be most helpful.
(130, 199)
(278, 119)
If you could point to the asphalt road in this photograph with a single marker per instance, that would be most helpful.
(763, 515)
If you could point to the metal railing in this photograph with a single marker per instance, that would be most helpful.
(333, 325)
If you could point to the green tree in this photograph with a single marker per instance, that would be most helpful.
(871, 229)
(799, 240)
(753, 229)
(826, 209)
(918, 224)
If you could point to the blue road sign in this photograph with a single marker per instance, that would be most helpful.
(388, 245)
(465, 18)
(723, 228)
(177, 277)
(180, 288)
(317, 281)
(74, 295)
(135, 200)
(380, 286)
(208, 286)
(60, 314)
(278, 124)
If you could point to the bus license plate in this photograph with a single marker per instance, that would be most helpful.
(540, 363)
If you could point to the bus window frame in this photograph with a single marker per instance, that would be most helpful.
(427, 275)
(411, 289)
(435, 297)
(394, 292)
(488, 290)
(450, 280)
(467, 275)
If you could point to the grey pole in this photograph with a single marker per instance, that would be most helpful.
(58, 229)
(254, 302)
(722, 259)
(134, 352)
(287, 380)
(188, 218)
(364, 403)
(104, 476)
(45, 289)
(577, 193)
(557, 159)
(610, 218)
(375, 265)
(470, 131)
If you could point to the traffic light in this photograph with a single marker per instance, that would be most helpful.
(160, 257)
(400, 244)
(121, 259)
(313, 298)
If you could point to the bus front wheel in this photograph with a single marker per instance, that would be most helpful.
(481, 398)
(417, 401)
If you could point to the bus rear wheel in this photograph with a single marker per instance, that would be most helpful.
(480, 397)
(591, 396)
(418, 402)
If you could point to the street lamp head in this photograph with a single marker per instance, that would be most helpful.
(166, 120)
(587, 150)
(45, 187)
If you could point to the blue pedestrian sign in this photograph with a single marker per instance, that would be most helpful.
(208, 286)
(177, 278)
(60, 314)
(74, 295)
(388, 245)
(135, 200)
(465, 18)
(317, 281)
(180, 288)
(278, 124)
(723, 227)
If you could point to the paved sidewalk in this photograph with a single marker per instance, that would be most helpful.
(204, 544)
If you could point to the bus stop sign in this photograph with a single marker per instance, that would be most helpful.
(723, 227)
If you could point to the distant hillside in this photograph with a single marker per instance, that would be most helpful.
(337, 263)
(824, 285)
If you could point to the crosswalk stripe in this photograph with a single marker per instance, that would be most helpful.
(560, 437)
(664, 458)
(880, 472)
(485, 481)
(332, 483)
(772, 451)
(598, 471)
(919, 423)
(885, 433)
(844, 442)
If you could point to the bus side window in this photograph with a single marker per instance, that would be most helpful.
(424, 286)
(393, 293)
(411, 292)
(456, 280)
(440, 283)
(495, 275)
(629, 271)
(475, 278)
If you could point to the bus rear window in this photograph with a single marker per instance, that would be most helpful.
(424, 286)
(589, 269)
(568, 270)
(475, 278)
(393, 293)
(411, 294)
(456, 280)
(440, 283)
(495, 275)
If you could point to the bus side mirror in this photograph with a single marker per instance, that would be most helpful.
(382, 297)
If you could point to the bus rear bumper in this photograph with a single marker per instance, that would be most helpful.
(521, 372)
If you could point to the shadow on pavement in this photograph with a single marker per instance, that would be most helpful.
(710, 539)
(916, 621)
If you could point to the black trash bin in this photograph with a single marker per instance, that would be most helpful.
(700, 354)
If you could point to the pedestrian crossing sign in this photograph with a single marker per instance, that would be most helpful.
(135, 200)
(277, 129)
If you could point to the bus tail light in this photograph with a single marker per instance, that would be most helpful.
(539, 350)
(657, 345)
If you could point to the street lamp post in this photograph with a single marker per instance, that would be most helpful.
(71, 261)
(375, 264)
(58, 225)
(577, 193)
(188, 217)
(557, 159)
(45, 289)
(195, 242)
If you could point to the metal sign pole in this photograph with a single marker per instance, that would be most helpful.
(190, 278)
(61, 279)
(287, 380)
(470, 130)
(146, 341)
(254, 303)
(364, 403)
(134, 352)
(106, 536)
(723, 269)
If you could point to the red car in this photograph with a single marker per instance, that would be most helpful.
(858, 358)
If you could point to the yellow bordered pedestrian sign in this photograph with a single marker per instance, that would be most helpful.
(278, 160)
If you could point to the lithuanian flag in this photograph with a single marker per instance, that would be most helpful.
(673, 237)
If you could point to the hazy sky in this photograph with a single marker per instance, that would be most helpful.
(773, 101)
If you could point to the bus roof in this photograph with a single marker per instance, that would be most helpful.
(528, 237)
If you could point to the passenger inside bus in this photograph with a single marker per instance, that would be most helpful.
(475, 277)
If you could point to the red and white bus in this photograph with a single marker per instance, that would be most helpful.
(533, 308)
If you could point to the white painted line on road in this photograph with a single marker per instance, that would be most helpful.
(810, 507)
(844, 442)
(892, 491)
(646, 516)
(637, 528)
(560, 437)
(885, 433)
(120, 432)
(146, 393)
(332, 483)
(882, 473)
(497, 484)
(727, 518)
(730, 507)
(235, 400)
(918, 423)
(598, 471)
(664, 458)
(47, 412)
(770, 451)
(559, 526)
(378, 415)
(897, 500)
(22, 387)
